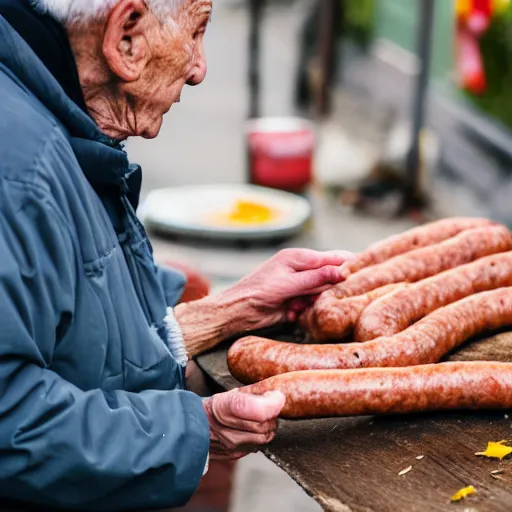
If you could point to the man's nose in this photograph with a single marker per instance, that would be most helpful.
(198, 71)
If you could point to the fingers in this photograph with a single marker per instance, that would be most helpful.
(224, 455)
(318, 280)
(220, 453)
(244, 406)
(306, 259)
(235, 440)
(299, 305)
(235, 433)
(239, 421)
(226, 418)
(291, 317)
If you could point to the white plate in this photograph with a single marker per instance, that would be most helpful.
(187, 211)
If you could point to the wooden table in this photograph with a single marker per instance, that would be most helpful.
(352, 464)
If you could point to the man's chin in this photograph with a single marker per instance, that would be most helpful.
(152, 130)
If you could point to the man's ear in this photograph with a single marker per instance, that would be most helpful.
(125, 43)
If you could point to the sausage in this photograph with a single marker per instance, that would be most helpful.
(333, 315)
(400, 308)
(253, 359)
(415, 265)
(433, 387)
(421, 236)
(332, 318)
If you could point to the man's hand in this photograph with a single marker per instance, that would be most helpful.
(278, 291)
(241, 423)
(283, 287)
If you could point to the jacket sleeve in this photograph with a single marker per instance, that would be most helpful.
(60, 446)
(173, 282)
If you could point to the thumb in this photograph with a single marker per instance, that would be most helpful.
(311, 281)
(274, 403)
(259, 408)
(275, 395)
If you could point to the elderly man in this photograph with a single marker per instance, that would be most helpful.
(95, 413)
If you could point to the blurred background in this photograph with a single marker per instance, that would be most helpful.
(390, 112)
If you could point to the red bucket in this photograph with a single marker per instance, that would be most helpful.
(281, 153)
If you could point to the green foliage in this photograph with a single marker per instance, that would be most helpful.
(359, 20)
(496, 46)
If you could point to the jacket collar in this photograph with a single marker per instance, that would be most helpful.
(49, 40)
(102, 159)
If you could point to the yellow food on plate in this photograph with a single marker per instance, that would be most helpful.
(245, 213)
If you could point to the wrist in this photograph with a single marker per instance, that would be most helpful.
(207, 322)
(175, 340)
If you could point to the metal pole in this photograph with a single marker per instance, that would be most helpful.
(255, 12)
(255, 18)
(327, 23)
(424, 53)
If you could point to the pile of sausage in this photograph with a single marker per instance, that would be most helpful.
(379, 335)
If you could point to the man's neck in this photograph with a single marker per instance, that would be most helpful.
(113, 116)
(111, 112)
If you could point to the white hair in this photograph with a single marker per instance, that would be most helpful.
(69, 11)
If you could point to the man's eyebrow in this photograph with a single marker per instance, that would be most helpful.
(204, 10)
(207, 8)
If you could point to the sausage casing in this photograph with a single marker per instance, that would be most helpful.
(434, 387)
(400, 308)
(332, 318)
(253, 359)
(421, 236)
(413, 266)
